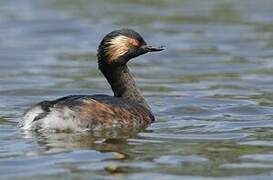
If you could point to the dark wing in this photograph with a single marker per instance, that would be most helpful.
(47, 105)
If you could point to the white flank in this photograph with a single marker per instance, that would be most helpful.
(57, 119)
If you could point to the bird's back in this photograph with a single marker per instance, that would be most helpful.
(86, 112)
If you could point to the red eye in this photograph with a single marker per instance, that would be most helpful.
(134, 43)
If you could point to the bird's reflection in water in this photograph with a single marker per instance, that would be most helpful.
(106, 151)
(115, 141)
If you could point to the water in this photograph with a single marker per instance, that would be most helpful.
(211, 90)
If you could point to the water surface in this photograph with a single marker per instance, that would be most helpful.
(211, 90)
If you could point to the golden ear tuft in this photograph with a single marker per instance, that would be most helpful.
(117, 47)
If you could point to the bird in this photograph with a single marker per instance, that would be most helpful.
(127, 108)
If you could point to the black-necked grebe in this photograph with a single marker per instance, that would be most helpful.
(127, 108)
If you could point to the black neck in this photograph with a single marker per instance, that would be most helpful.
(123, 84)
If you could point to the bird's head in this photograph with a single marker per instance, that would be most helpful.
(119, 46)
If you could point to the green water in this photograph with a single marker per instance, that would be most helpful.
(211, 90)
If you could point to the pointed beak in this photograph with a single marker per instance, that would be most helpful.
(148, 48)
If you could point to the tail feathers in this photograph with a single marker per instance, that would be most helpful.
(34, 114)
(45, 107)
